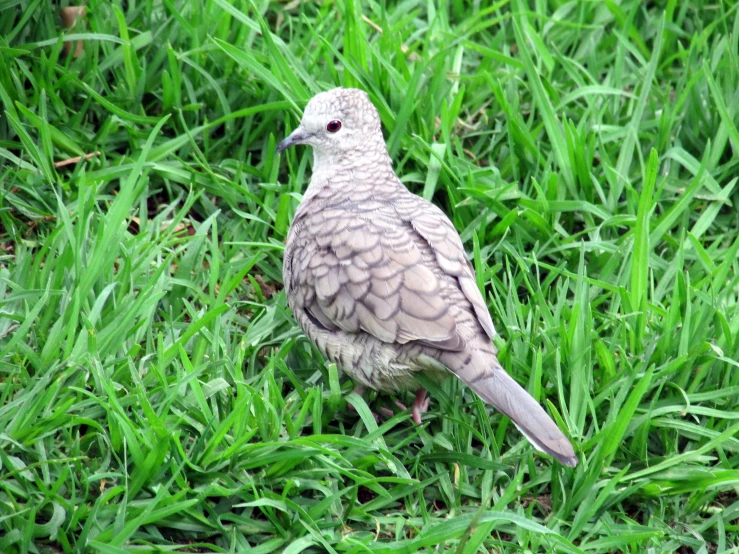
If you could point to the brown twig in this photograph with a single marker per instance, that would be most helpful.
(76, 159)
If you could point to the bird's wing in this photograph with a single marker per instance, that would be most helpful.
(482, 372)
(366, 273)
(436, 229)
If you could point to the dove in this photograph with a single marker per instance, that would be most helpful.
(379, 280)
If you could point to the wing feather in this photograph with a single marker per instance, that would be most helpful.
(436, 229)
(369, 276)
(366, 272)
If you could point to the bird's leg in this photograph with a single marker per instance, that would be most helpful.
(420, 405)
(359, 389)
(388, 413)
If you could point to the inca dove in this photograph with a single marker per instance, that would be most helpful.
(378, 278)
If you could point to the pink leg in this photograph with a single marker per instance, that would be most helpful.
(359, 389)
(420, 405)
(388, 413)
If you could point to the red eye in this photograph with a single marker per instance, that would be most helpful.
(333, 126)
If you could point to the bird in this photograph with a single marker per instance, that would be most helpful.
(378, 278)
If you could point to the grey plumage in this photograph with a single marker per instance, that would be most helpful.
(378, 277)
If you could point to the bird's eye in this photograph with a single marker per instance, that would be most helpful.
(333, 126)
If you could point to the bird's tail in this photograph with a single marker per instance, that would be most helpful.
(498, 389)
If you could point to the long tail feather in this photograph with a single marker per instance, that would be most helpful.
(498, 389)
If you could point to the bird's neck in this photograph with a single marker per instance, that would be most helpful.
(353, 174)
(372, 156)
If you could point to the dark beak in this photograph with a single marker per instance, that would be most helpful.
(298, 136)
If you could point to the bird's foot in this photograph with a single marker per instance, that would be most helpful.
(359, 389)
(420, 405)
(388, 413)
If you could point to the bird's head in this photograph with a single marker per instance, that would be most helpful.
(338, 124)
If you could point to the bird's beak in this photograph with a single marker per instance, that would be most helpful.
(298, 136)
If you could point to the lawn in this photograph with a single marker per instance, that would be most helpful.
(155, 392)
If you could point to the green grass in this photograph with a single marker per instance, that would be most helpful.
(155, 393)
